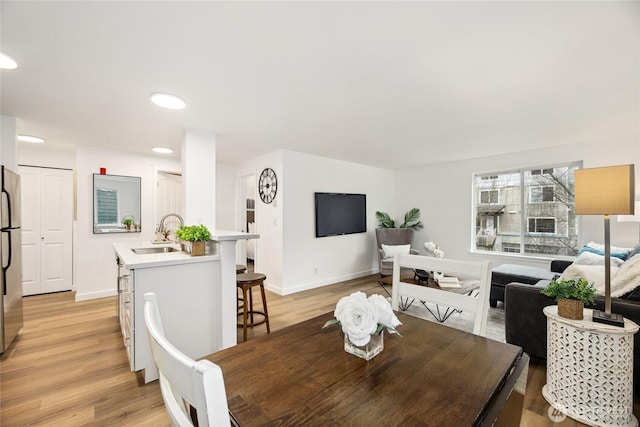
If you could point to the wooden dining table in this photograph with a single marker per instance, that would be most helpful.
(432, 375)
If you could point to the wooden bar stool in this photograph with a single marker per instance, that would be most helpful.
(246, 282)
(240, 269)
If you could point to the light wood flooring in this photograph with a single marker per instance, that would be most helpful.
(68, 366)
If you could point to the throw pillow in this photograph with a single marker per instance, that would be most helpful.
(590, 258)
(389, 251)
(598, 249)
(634, 252)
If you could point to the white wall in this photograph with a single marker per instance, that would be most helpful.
(288, 252)
(94, 256)
(443, 193)
(30, 155)
(311, 262)
(269, 220)
(8, 154)
(226, 204)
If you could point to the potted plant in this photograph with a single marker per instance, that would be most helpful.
(128, 222)
(195, 236)
(571, 296)
(411, 220)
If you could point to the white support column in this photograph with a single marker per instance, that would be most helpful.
(199, 178)
(226, 293)
(227, 300)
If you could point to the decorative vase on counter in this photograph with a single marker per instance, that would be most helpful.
(367, 351)
(195, 248)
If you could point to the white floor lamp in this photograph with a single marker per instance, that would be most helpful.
(605, 191)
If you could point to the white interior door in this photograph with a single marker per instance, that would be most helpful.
(47, 206)
(169, 198)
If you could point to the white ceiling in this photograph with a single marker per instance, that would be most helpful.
(390, 84)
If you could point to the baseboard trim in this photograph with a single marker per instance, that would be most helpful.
(95, 295)
(313, 285)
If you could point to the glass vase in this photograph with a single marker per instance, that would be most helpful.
(367, 351)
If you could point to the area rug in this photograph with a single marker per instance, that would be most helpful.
(462, 320)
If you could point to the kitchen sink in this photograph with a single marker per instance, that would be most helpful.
(156, 250)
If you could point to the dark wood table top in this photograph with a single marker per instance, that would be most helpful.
(301, 375)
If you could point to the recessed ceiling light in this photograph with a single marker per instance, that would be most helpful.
(7, 62)
(162, 150)
(30, 138)
(168, 101)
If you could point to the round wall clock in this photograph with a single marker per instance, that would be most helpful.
(268, 185)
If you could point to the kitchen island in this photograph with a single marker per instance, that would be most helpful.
(197, 297)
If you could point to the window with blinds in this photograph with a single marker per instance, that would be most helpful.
(107, 206)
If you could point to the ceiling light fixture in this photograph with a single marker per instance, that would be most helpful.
(30, 138)
(162, 150)
(165, 100)
(7, 62)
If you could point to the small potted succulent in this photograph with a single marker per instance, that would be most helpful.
(195, 236)
(127, 221)
(571, 296)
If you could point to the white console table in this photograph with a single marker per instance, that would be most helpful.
(590, 369)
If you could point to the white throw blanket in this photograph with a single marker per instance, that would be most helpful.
(623, 279)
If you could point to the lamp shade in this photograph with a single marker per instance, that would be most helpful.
(605, 191)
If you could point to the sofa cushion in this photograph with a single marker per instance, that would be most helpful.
(507, 273)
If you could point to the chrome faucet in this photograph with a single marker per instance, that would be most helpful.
(161, 226)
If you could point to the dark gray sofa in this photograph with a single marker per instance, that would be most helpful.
(526, 324)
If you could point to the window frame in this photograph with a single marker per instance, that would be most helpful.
(542, 187)
(567, 234)
(536, 218)
(497, 191)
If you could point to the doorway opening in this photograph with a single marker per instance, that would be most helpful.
(169, 198)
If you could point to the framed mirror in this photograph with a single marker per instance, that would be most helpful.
(116, 204)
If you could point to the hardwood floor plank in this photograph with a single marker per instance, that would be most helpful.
(69, 367)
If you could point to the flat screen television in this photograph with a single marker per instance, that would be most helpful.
(339, 213)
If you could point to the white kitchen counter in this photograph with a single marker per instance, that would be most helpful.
(192, 290)
(133, 260)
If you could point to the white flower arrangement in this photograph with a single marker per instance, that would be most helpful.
(360, 317)
(434, 249)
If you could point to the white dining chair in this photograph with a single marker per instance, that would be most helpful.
(184, 382)
(480, 271)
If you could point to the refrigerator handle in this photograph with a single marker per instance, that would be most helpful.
(4, 191)
(5, 268)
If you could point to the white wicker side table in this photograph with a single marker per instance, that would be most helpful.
(590, 369)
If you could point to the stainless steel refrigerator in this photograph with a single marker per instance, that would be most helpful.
(11, 320)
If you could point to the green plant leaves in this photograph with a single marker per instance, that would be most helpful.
(411, 220)
(385, 220)
(193, 233)
(571, 289)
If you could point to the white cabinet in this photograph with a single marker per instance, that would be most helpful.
(186, 296)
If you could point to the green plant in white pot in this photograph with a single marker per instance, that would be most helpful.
(196, 236)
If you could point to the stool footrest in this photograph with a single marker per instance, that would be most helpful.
(254, 323)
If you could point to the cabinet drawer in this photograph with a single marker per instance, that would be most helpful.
(127, 335)
(125, 283)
